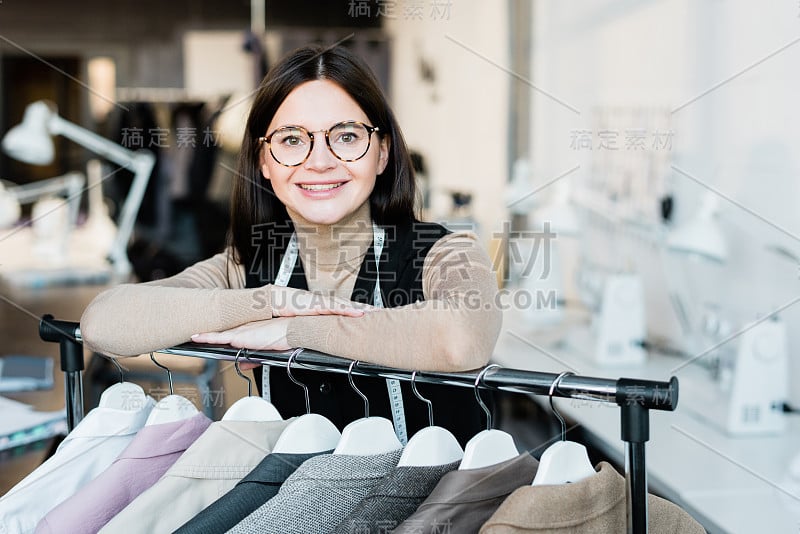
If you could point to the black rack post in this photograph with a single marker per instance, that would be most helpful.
(633, 398)
(635, 432)
(68, 336)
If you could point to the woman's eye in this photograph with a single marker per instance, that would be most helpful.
(292, 140)
(347, 137)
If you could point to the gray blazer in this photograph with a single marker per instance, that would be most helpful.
(394, 499)
(320, 494)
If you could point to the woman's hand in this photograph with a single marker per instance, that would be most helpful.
(290, 302)
(258, 335)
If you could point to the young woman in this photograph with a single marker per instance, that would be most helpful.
(325, 253)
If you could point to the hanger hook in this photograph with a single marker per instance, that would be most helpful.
(292, 356)
(352, 385)
(553, 388)
(169, 373)
(478, 383)
(423, 399)
(239, 372)
(119, 368)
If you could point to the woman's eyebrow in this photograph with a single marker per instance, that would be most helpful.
(306, 128)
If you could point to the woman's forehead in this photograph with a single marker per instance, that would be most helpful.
(317, 105)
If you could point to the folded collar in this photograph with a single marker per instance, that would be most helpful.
(275, 468)
(489, 482)
(563, 504)
(347, 467)
(108, 422)
(229, 449)
(166, 438)
(411, 481)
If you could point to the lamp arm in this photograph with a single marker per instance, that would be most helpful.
(140, 162)
(143, 164)
(71, 183)
(90, 140)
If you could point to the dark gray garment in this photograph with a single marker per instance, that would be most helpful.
(394, 499)
(259, 486)
(320, 494)
(464, 500)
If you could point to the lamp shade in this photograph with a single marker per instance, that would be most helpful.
(701, 235)
(30, 140)
(562, 216)
(560, 212)
(702, 238)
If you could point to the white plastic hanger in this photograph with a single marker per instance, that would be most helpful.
(310, 432)
(432, 445)
(250, 408)
(172, 407)
(487, 447)
(123, 395)
(368, 435)
(563, 461)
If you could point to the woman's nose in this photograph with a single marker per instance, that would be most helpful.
(320, 158)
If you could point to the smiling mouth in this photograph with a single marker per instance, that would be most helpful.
(320, 187)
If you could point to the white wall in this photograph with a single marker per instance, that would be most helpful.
(738, 138)
(458, 121)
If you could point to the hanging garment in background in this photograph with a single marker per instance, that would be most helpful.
(393, 500)
(84, 454)
(593, 505)
(320, 494)
(463, 500)
(259, 486)
(220, 458)
(154, 449)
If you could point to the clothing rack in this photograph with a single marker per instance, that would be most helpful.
(635, 397)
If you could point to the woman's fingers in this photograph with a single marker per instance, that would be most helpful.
(269, 334)
(214, 338)
(221, 338)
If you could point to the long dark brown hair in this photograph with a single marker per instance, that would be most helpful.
(253, 202)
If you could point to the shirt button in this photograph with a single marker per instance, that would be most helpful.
(325, 388)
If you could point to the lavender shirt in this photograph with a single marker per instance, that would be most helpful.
(151, 453)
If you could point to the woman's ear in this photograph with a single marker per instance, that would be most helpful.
(383, 153)
(262, 161)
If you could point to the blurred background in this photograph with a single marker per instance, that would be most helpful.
(651, 140)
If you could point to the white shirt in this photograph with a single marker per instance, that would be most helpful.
(85, 453)
(224, 454)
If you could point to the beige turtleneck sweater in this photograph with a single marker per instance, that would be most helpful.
(454, 328)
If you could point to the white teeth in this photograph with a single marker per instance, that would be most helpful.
(320, 187)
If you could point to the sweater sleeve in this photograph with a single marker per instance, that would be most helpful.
(454, 328)
(132, 319)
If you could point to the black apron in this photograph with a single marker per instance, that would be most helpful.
(330, 394)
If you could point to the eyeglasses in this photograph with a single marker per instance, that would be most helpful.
(291, 145)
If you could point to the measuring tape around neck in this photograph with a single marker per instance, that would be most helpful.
(392, 385)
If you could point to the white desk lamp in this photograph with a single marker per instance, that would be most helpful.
(745, 401)
(698, 239)
(31, 142)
